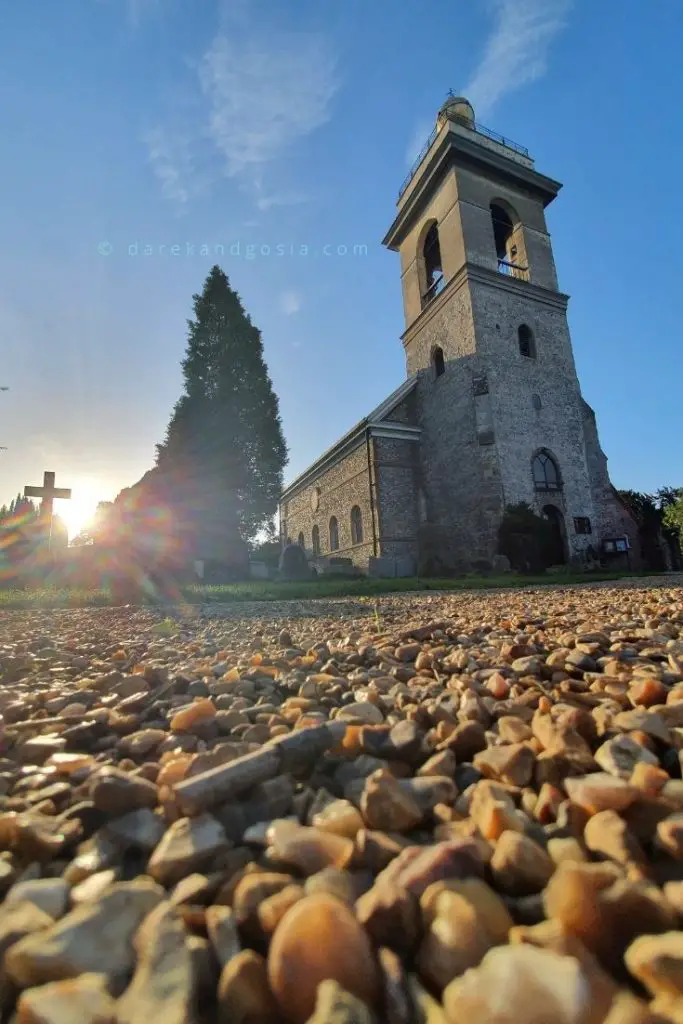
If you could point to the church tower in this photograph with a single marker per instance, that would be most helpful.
(500, 409)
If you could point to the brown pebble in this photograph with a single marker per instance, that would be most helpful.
(244, 995)
(519, 865)
(319, 938)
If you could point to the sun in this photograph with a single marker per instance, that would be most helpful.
(77, 511)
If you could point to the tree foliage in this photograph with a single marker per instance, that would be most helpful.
(658, 537)
(673, 515)
(19, 510)
(227, 419)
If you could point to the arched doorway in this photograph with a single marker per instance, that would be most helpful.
(558, 550)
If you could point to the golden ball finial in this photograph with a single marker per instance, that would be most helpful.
(456, 108)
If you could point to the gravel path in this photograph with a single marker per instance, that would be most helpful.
(438, 808)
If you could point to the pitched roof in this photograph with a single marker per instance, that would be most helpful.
(355, 436)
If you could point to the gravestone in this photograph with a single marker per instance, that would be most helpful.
(293, 563)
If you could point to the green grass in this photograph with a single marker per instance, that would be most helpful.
(258, 590)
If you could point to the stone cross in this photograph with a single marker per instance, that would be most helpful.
(47, 493)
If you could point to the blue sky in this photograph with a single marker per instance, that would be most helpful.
(130, 125)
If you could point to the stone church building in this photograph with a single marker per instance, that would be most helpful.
(491, 412)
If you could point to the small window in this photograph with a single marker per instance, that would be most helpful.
(545, 473)
(300, 540)
(582, 524)
(334, 534)
(316, 540)
(527, 344)
(438, 362)
(356, 525)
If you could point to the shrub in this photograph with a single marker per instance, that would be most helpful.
(525, 538)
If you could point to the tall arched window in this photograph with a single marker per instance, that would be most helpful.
(356, 525)
(334, 534)
(316, 540)
(438, 361)
(545, 472)
(527, 343)
(300, 540)
(431, 261)
(507, 234)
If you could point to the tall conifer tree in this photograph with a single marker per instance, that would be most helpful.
(227, 420)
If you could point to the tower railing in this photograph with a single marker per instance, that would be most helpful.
(513, 270)
(435, 287)
(473, 126)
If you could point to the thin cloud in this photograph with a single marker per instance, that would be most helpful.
(170, 156)
(138, 10)
(253, 97)
(290, 302)
(516, 52)
(265, 93)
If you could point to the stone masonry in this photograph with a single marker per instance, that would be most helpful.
(491, 390)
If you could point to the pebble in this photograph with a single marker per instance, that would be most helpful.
(82, 1000)
(244, 995)
(162, 987)
(334, 1005)
(307, 849)
(385, 805)
(186, 846)
(221, 928)
(455, 941)
(188, 718)
(116, 792)
(339, 817)
(94, 938)
(523, 985)
(391, 917)
(425, 808)
(620, 755)
(519, 865)
(19, 920)
(657, 962)
(142, 828)
(319, 938)
(51, 895)
(361, 711)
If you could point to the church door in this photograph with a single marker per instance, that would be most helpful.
(559, 547)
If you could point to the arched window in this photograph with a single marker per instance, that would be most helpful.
(356, 525)
(316, 540)
(334, 534)
(300, 540)
(507, 234)
(545, 472)
(431, 261)
(438, 361)
(527, 342)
